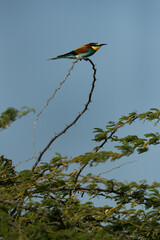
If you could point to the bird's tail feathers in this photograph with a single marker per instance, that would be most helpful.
(53, 58)
(67, 55)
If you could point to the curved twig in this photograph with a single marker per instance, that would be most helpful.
(51, 97)
(74, 121)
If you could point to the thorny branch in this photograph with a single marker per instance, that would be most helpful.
(51, 97)
(74, 121)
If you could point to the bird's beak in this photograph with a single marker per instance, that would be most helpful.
(103, 44)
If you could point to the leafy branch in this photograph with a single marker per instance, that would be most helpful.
(11, 114)
(129, 143)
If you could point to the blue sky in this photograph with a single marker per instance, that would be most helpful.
(127, 75)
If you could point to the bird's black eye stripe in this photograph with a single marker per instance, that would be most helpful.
(95, 45)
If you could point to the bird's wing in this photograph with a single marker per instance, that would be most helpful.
(83, 49)
(72, 53)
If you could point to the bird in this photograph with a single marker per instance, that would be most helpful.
(81, 52)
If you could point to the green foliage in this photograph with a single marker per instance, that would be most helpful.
(49, 203)
(129, 143)
(12, 114)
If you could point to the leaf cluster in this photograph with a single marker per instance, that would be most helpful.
(130, 143)
(11, 114)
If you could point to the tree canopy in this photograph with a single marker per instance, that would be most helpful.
(47, 203)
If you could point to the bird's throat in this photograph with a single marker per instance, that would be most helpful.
(95, 48)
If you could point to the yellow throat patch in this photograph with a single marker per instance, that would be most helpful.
(96, 48)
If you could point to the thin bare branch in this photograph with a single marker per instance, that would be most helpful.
(115, 168)
(51, 97)
(74, 121)
(24, 161)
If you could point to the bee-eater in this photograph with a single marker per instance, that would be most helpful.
(81, 52)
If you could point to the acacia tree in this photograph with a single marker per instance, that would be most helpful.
(46, 201)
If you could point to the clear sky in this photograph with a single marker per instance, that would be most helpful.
(128, 74)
